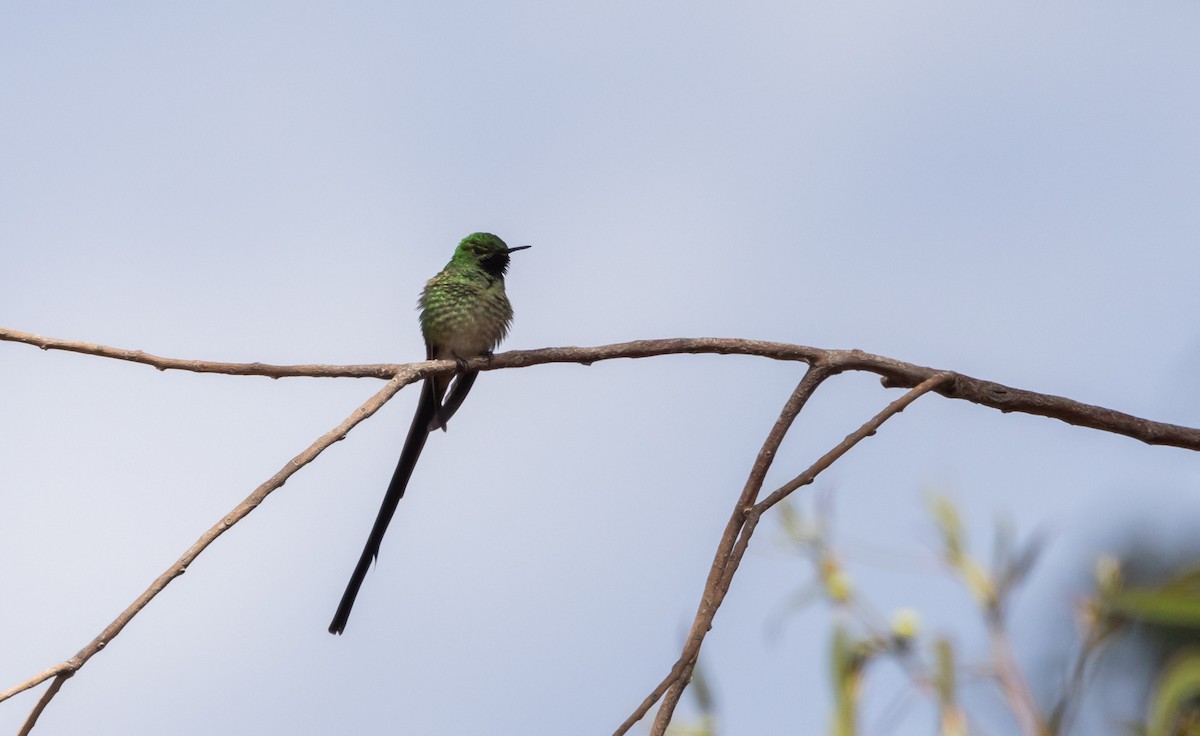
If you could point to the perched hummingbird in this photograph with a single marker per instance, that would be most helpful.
(464, 314)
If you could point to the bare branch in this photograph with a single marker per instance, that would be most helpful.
(1016, 690)
(895, 374)
(36, 680)
(714, 592)
(852, 439)
(745, 520)
(384, 371)
(43, 701)
(66, 669)
(747, 512)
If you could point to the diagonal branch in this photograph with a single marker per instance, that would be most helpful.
(745, 520)
(714, 593)
(66, 669)
(852, 439)
(1016, 690)
(43, 701)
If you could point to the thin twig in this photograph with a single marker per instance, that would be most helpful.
(745, 520)
(1012, 682)
(200, 366)
(711, 598)
(43, 701)
(852, 439)
(1063, 713)
(895, 374)
(239, 512)
(36, 680)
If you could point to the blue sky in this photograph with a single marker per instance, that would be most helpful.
(1009, 192)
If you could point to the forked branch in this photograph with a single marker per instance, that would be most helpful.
(748, 510)
(743, 522)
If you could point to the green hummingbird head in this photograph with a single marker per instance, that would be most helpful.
(484, 251)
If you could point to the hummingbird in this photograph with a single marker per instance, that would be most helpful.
(464, 314)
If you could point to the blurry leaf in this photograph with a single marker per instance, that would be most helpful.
(945, 515)
(945, 677)
(839, 586)
(1186, 581)
(1017, 567)
(1175, 602)
(953, 720)
(1176, 704)
(793, 523)
(702, 727)
(701, 691)
(1159, 606)
(978, 582)
(1108, 575)
(848, 658)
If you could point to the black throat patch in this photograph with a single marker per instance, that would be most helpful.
(496, 265)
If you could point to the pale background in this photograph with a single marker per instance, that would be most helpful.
(1007, 192)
